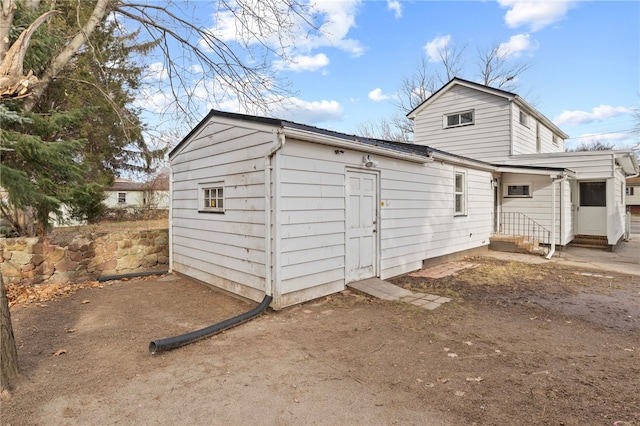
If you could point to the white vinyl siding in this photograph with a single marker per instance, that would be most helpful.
(537, 207)
(533, 138)
(487, 139)
(416, 221)
(227, 250)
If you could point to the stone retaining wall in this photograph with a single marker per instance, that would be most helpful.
(30, 261)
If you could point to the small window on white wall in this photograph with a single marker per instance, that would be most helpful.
(521, 190)
(524, 118)
(122, 197)
(458, 119)
(460, 194)
(211, 197)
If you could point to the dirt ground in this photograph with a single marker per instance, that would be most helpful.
(518, 344)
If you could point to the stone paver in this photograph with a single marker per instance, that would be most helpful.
(387, 291)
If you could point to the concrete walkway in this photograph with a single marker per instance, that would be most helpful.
(625, 259)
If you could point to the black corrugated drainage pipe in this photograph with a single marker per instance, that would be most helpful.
(185, 339)
(131, 275)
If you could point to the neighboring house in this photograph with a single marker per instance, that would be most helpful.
(125, 193)
(267, 206)
(633, 195)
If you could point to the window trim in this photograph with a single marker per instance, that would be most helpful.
(124, 198)
(523, 119)
(445, 119)
(463, 193)
(508, 185)
(202, 187)
(556, 140)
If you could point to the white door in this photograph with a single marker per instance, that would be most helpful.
(592, 209)
(362, 239)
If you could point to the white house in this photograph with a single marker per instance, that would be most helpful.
(633, 195)
(268, 206)
(124, 193)
(493, 125)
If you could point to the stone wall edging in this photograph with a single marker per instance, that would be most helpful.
(29, 261)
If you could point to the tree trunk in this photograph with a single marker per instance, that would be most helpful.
(59, 62)
(8, 350)
(7, 8)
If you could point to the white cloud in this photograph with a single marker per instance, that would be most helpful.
(516, 45)
(436, 46)
(599, 113)
(536, 14)
(303, 63)
(308, 112)
(395, 7)
(377, 96)
(334, 20)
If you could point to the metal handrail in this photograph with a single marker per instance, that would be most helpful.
(520, 225)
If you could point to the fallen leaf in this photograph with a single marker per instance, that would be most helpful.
(71, 330)
(474, 379)
(60, 352)
(419, 380)
(442, 380)
(296, 400)
(84, 302)
(429, 385)
(468, 343)
(460, 393)
(446, 349)
(5, 395)
(452, 355)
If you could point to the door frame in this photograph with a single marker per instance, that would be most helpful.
(581, 215)
(376, 211)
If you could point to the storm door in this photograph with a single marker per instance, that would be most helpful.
(592, 209)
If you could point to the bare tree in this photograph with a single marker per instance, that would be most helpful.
(498, 70)
(193, 55)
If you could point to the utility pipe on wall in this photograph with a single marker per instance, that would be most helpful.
(552, 250)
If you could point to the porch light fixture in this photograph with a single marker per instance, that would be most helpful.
(368, 162)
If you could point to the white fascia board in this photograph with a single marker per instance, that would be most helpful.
(354, 145)
(551, 173)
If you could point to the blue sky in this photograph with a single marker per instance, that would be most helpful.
(584, 57)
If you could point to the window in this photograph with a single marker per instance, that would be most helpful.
(556, 140)
(629, 190)
(122, 197)
(524, 119)
(460, 194)
(519, 190)
(458, 119)
(211, 198)
(593, 194)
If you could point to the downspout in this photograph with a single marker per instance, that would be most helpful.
(268, 168)
(187, 338)
(171, 177)
(552, 250)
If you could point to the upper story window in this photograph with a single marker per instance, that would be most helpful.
(524, 118)
(629, 190)
(458, 119)
(211, 197)
(556, 140)
(122, 197)
(460, 194)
